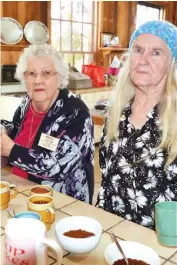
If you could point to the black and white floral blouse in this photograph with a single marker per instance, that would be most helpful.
(133, 175)
(69, 169)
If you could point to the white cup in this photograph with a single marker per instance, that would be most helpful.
(26, 243)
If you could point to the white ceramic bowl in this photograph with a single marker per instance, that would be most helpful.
(132, 250)
(78, 245)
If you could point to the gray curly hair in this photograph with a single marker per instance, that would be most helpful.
(43, 50)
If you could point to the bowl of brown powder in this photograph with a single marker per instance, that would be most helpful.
(136, 253)
(78, 234)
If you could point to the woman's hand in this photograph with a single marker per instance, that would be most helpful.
(6, 144)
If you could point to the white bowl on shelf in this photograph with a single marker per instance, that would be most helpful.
(78, 245)
(132, 250)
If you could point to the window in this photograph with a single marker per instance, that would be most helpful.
(73, 30)
(148, 11)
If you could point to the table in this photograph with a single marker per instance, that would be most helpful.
(68, 206)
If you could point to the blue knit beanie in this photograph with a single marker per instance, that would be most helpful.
(162, 29)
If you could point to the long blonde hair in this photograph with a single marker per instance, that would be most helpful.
(125, 91)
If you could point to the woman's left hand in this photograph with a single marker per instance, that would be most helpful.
(6, 144)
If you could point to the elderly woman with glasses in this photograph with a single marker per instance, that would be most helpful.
(50, 139)
(138, 151)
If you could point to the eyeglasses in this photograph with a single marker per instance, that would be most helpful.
(46, 74)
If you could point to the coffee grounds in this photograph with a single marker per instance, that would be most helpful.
(40, 190)
(130, 262)
(41, 202)
(78, 233)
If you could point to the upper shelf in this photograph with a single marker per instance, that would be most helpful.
(8, 47)
(110, 49)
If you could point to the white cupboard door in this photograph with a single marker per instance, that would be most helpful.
(101, 95)
(112, 97)
(97, 133)
(88, 98)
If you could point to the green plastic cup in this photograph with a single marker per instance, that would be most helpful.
(166, 222)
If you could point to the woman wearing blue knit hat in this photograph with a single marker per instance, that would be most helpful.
(138, 150)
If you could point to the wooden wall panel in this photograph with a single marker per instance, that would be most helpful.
(108, 16)
(123, 22)
(132, 19)
(175, 21)
(119, 17)
(10, 57)
(171, 11)
(23, 12)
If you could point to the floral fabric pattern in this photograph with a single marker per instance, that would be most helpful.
(133, 175)
(68, 169)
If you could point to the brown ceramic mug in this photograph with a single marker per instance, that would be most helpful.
(7, 192)
(41, 190)
(44, 205)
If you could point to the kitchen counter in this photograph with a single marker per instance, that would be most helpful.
(12, 88)
(91, 90)
(67, 206)
(18, 88)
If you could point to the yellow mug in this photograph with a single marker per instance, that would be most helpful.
(5, 193)
(41, 190)
(44, 205)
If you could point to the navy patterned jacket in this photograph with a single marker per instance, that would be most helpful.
(69, 169)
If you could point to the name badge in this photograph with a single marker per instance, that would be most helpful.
(48, 142)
